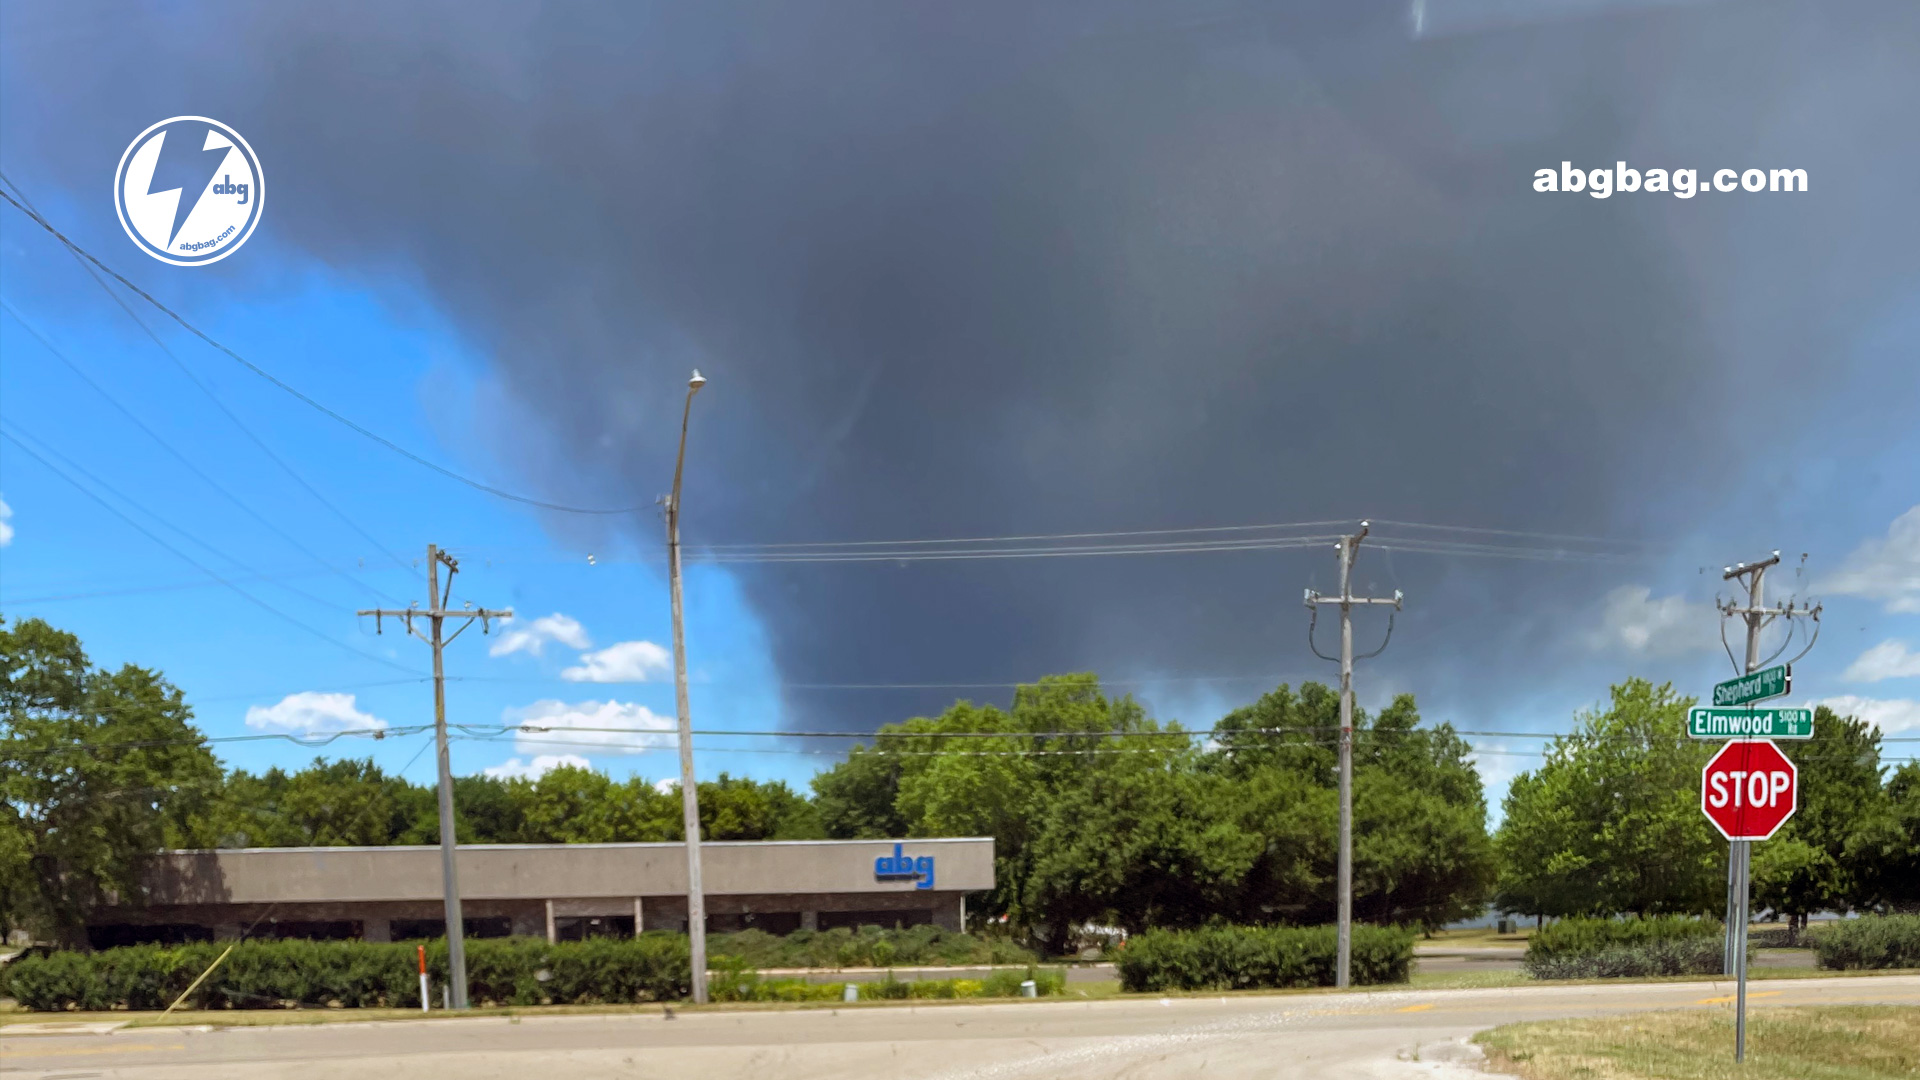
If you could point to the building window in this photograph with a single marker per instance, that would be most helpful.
(327, 930)
(416, 929)
(115, 935)
(772, 922)
(581, 927)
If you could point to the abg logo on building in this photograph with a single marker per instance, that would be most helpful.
(189, 191)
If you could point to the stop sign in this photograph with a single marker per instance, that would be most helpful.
(1749, 789)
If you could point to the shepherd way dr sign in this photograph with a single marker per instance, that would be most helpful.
(1766, 683)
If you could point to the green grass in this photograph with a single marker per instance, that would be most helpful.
(1829, 1043)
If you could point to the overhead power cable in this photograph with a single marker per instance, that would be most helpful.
(299, 395)
(812, 544)
(187, 463)
(1543, 547)
(195, 563)
(207, 391)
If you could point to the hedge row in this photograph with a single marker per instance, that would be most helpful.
(1874, 941)
(869, 946)
(1248, 957)
(1581, 937)
(354, 974)
(1626, 948)
(1670, 956)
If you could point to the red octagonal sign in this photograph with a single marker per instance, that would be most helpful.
(1749, 789)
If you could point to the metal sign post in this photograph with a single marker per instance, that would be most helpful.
(1748, 790)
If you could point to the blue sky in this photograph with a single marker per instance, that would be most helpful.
(378, 350)
(961, 275)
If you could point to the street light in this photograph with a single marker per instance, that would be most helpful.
(689, 790)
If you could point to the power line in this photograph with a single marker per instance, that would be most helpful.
(808, 544)
(1206, 539)
(123, 497)
(298, 394)
(1615, 541)
(195, 563)
(179, 586)
(291, 540)
(664, 739)
(212, 397)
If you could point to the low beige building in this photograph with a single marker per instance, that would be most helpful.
(559, 891)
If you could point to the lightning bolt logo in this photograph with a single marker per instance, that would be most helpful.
(185, 166)
(214, 178)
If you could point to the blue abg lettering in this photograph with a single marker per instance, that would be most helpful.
(900, 865)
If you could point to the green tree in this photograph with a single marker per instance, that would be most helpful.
(738, 808)
(1611, 822)
(1099, 813)
(343, 803)
(1884, 852)
(487, 810)
(1805, 867)
(1421, 849)
(98, 770)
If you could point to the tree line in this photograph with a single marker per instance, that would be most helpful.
(1611, 821)
(1099, 812)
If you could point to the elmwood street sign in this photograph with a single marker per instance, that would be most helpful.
(1766, 683)
(1778, 722)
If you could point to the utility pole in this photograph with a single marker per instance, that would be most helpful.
(1347, 547)
(1757, 616)
(437, 614)
(689, 788)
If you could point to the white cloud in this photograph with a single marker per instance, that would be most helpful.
(1891, 659)
(613, 727)
(626, 661)
(1633, 621)
(515, 769)
(532, 637)
(1886, 569)
(312, 711)
(6, 530)
(667, 786)
(1498, 763)
(1889, 714)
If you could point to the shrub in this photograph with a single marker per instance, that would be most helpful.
(1669, 956)
(1874, 941)
(353, 974)
(1627, 948)
(1579, 937)
(500, 971)
(1248, 957)
(869, 946)
(1048, 982)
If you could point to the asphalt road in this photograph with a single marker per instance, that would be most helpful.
(1375, 1035)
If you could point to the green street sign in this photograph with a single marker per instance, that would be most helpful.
(1778, 722)
(1763, 684)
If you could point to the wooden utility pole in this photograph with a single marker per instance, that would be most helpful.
(437, 614)
(1348, 547)
(1756, 615)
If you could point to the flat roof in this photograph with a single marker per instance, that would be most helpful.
(560, 871)
(916, 841)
